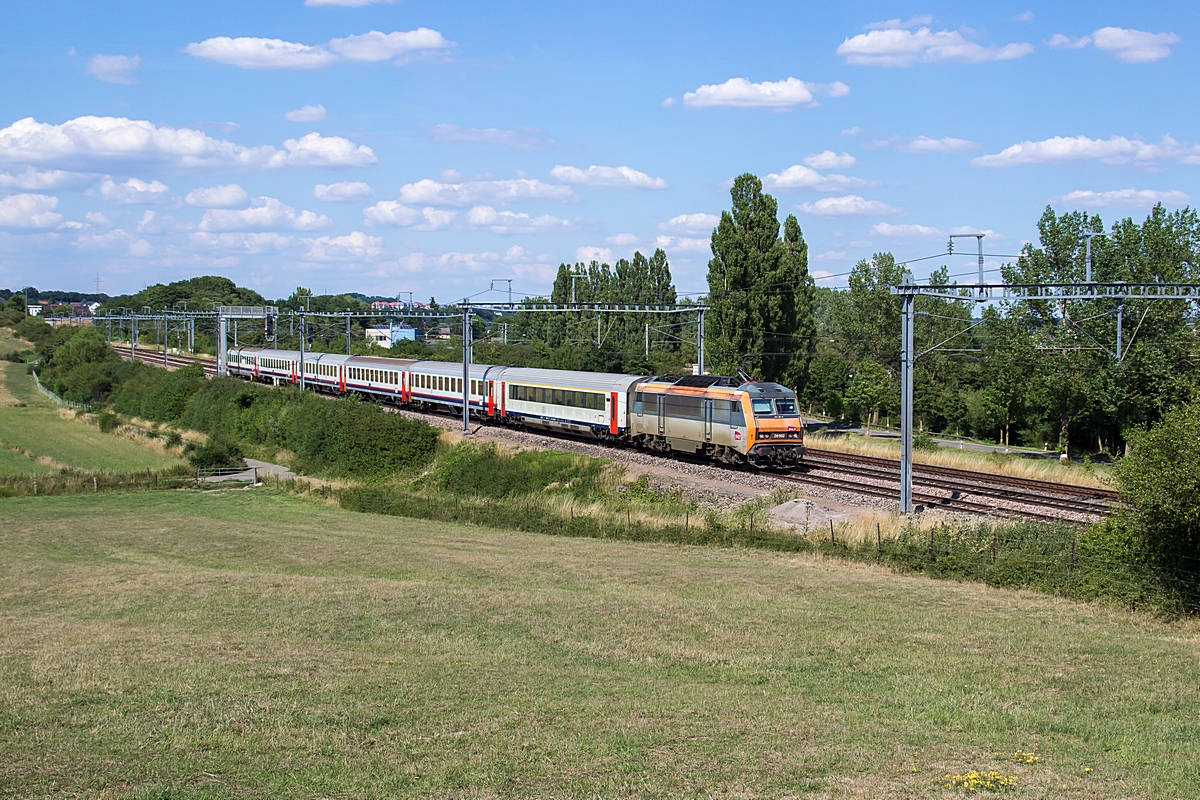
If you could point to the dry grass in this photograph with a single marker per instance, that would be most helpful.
(236, 644)
(1045, 469)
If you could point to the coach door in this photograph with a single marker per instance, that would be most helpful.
(662, 414)
(708, 418)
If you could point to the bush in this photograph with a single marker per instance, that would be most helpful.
(108, 422)
(923, 441)
(1160, 480)
(219, 452)
(482, 470)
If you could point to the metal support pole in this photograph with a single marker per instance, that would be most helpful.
(647, 340)
(979, 241)
(1120, 319)
(907, 312)
(1087, 268)
(598, 318)
(466, 385)
(347, 331)
(132, 336)
(166, 333)
(303, 337)
(504, 327)
(700, 342)
(222, 336)
(191, 335)
(235, 327)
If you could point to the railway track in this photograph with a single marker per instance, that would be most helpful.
(933, 486)
(1017, 496)
(155, 358)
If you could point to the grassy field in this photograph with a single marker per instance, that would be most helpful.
(56, 442)
(244, 643)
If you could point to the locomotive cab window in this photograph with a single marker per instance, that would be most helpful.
(762, 408)
(786, 407)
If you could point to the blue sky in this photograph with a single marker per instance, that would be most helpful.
(349, 145)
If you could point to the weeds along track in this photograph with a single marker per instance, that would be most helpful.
(947, 488)
(965, 490)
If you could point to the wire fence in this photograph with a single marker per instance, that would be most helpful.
(56, 398)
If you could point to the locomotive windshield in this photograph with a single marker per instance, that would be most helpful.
(780, 407)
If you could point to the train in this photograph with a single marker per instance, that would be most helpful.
(728, 420)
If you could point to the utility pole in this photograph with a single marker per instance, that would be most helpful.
(647, 340)
(466, 385)
(303, 337)
(700, 341)
(348, 330)
(907, 359)
(1087, 263)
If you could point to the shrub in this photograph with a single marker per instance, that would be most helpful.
(108, 422)
(482, 470)
(218, 452)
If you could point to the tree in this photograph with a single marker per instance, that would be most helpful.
(760, 291)
(1160, 480)
(871, 390)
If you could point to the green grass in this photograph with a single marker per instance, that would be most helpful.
(37, 428)
(247, 643)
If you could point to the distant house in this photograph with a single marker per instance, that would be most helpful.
(388, 335)
(438, 333)
(388, 305)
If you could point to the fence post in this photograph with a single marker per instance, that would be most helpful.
(832, 538)
(878, 540)
(932, 557)
(687, 519)
(35, 487)
(95, 484)
(995, 538)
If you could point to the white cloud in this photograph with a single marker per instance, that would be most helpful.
(149, 223)
(668, 103)
(264, 213)
(618, 177)
(29, 212)
(135, 191)
(892, 24)
(228, 195)
(890, 231)
(924, 144)
(849, 205)
(588, 254)
(30, 178)
(315, 150)
(799, 176)
(249, 243)
(113, 69)
(855, 131)
(118, 238)
(830, 255)
(779, 95)
(464, 193)
(896, 47)
(1128, 45)
(353, 246)
(691, 223)
(1024, 16)
(830, 160)
(258, 53)
(391, 214)
(306, 114)
(622, 239)
(1059, 40)
(377, 46)
(348, 3)
(681, 243)
(104, 144)
(519, 138)
(1125, 198)
(341, 192)
(928, 144)
(1133, 46)
(96, 219)
(1114, 150)
(509, 222)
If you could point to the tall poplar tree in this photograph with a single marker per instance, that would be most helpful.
(760, 291)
